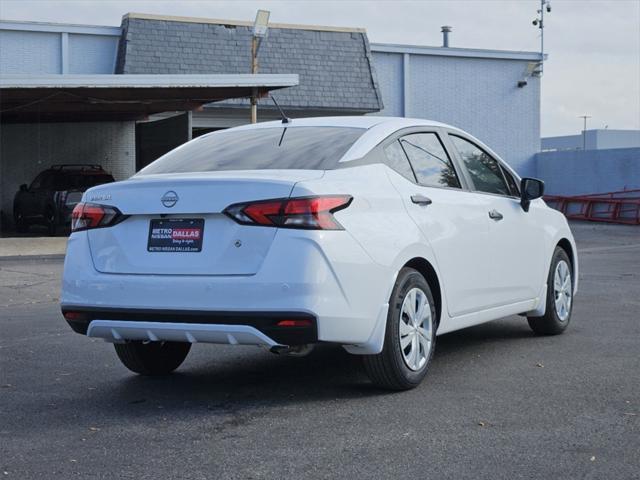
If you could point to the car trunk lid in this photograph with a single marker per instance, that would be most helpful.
(175, 224)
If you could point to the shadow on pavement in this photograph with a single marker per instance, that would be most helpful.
(248, 380)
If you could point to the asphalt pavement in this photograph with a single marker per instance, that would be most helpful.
(498, 402)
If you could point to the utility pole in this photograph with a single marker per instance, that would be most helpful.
(539, 22)
(254, 70)
(260, 27)
(584, 131)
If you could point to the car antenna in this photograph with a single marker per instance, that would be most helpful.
(285, 119)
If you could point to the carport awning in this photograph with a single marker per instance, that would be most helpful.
(63, 98)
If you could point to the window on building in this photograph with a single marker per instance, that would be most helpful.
(484, 170)
(429, 160)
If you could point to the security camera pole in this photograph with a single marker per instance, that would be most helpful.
(539, 22)
(260, 27)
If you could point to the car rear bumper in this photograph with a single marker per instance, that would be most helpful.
(324, 276)
(248, 328)
(119, 332)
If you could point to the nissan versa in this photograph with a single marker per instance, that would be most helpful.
(371, 233)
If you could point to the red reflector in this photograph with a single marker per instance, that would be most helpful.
(294, 323)
(73, 315)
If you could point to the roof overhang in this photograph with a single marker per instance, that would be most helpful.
(64, 98)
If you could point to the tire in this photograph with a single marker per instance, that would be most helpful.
(152, 358)
(51, 220)
(393, 368)
(559, 297)
(21, 224)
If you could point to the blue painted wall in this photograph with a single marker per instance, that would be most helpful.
(576, 172)
(479, 95)
(594, 140)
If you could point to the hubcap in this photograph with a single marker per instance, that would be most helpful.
(416, 329)
(562, 289)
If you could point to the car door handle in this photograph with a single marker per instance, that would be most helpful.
(495, 215)
(421, 200)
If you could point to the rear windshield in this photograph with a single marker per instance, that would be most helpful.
(315, 148)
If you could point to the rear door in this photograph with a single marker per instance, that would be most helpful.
(516, 238)
(452, 219)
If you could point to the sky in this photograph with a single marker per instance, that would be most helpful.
(593, 45)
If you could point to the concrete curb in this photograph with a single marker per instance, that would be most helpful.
(38, 247)
(31, 258)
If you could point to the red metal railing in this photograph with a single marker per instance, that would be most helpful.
(622, 206)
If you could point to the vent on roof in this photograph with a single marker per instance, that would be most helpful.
(446, 29)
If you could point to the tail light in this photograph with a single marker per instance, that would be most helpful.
(90, 215)
(312, 213)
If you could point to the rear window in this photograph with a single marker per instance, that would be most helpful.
(314, 148)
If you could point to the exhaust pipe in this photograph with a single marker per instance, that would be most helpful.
(292, 350)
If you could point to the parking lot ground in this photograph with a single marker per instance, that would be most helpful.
(498, 402)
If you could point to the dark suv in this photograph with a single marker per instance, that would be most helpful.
(50, 198)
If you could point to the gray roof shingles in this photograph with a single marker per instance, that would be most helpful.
(335, 67)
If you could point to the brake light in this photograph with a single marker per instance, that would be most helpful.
(90, 215)
(312, 213)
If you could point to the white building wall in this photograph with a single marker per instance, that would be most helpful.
(30, 52)
(92, 53)
(27, 149)
(41, 48)
(390, 80)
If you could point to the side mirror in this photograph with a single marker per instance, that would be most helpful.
(530, 189)
(23, 187)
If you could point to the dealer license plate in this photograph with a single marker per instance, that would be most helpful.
(175, 235)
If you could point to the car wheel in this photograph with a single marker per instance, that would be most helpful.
(559, 297)
(409, 337)
(21, 224)
(51, 221)
(152, 358)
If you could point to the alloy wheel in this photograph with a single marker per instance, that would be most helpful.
(562, 289)
(416, 329)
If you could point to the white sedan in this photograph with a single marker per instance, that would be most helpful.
(373, 233)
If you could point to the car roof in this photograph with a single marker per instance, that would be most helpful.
(363, 121)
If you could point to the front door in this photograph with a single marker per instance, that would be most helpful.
(515, 235)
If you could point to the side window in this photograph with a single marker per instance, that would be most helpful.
(484, 170)
(397, 160)
(37, 183)
(47, 181)
(511, 182)
(429, 160)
